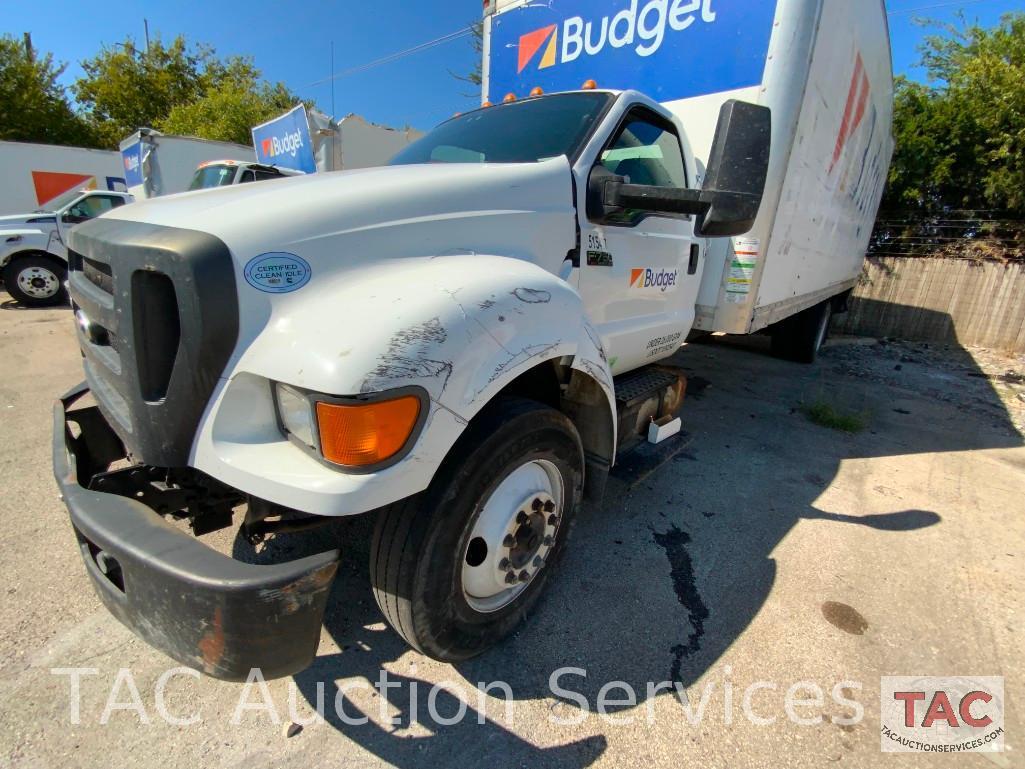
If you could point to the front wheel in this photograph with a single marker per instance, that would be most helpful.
(36, 280)
(457, 568)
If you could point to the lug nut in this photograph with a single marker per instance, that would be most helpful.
(536, 505)
(510, 578)
(521, 517)
(553, 520)
(524, 576)
(548, 541)
(504, 564)
(549, 506)
(539, 562)
(509, 541)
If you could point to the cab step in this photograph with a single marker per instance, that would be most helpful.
(650, 394)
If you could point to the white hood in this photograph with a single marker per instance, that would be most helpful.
(299, 214)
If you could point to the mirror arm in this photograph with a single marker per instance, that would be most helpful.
(663, 199)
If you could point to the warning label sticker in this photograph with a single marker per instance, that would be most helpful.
(740, 277)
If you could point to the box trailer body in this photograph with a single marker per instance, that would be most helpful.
(159, 164)
(36, 174)
(822, 66)
(462, 341)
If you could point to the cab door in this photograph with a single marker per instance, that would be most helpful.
(639, 270)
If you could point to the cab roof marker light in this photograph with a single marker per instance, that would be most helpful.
(589, 85)
(537, 91)
(509, 97)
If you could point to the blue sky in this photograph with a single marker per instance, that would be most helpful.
(292, 42)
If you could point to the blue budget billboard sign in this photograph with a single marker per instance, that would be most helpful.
(668, 49)
(131, 157)
(285, 142)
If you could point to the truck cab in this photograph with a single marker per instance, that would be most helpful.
(33, 255)
(221, 173)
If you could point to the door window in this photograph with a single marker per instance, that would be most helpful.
(91, 207)
(646, 152)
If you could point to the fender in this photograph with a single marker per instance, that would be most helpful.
(461, 326)
(15, 242)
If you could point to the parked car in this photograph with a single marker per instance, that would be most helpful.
(33, 252)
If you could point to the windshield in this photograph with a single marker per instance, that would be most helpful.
(212, 176)
(517, 132)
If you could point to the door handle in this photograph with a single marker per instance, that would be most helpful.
(692, 265)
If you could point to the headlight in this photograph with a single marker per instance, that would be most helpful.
(296, 413)
(361, 433)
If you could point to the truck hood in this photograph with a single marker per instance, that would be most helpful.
(424, 209)
(25, 223)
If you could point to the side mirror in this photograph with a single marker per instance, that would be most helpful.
(728, 201)
(737, 168)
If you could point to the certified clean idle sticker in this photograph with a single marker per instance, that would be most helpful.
(278, 272)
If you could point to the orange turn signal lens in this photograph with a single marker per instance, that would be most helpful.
(367, 433)
(589, 85)
(537, 91)
(509, 97)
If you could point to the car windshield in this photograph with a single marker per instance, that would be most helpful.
(515, 132)
(212, 176)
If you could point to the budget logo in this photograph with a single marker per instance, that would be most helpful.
(288, 144)
(660, 279)
(532, 42)
(953, 714)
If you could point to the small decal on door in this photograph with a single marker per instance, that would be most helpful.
(599, 259)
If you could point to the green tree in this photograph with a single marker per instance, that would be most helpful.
(961, 139)
(230, 109)
(125, 88)
(475, 76)
(33, 105)
(175, 88)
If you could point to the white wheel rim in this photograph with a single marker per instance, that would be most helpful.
(513, 535)
(38, 282)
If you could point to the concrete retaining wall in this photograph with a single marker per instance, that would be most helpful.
(949, 301)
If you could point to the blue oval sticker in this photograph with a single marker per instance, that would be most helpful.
(278, 272)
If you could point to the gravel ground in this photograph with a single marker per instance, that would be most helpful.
(767, 549)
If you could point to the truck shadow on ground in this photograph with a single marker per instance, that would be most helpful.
(665, 576)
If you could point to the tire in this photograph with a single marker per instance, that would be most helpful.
(425, 548)
(36, 280)
(799, 338)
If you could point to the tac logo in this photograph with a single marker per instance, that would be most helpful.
(941, 714)
(131, 162)
(267, 145)
(532, 42)
(660, 279)
(854, 112)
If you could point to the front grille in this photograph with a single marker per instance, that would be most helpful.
(158, 321)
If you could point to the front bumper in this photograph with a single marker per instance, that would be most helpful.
(202, 608)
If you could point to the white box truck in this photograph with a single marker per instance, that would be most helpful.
(463, 341)
(34, 175)
(160, 164)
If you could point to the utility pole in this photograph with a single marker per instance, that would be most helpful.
(32, 55)
(332, 79)
(145, 27)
